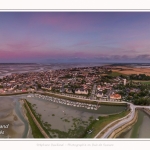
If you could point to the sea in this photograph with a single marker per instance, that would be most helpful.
(9, 68)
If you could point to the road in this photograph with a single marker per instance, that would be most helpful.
(93, 92)
(36, 122)
(123, 121)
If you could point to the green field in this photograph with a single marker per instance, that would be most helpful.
(9, 94)
(115, 74)
(35, 131)
(142, 82)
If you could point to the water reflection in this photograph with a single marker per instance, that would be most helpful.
(141, 129)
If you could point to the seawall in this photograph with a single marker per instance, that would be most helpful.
(125, 127)
(147, 111)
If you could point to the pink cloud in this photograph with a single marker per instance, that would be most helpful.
(136, 47)
(82, 43)
(65, 21)
(23, 45)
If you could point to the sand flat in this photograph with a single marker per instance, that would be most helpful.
(9, 116)
(56, 114)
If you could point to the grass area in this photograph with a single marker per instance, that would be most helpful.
(112, 104)
(35, 131)
(115, 74)
(79, 127)
(78, 130)
(142, 81)
(98, 125)
(8, 94)
(38, 117)
(53, 133)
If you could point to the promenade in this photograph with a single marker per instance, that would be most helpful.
(120, 122)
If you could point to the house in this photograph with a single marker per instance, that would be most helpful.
(44, 88)
(99, 94)
(98, 87)
(81, 91)
(23, 90)
(105, 97)
(115, 97)
(68, 90)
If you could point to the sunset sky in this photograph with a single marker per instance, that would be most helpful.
(74, 36)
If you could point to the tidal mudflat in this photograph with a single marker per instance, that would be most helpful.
(10, 124)
(63, 121)
(60, 120)
(8, 69)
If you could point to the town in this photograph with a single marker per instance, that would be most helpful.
(87, 82)
(95, 83)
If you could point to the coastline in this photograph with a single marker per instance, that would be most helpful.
(16, 126)
(10, 117)
(37, 123)
(147, 111)
(125, 127)
(29, 134)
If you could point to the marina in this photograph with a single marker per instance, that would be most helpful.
(66, 102)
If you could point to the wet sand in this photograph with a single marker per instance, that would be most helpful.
(8, 69)
(8, 116)
(64, 118)
(56, 114)
(61, 117)
(29, 135)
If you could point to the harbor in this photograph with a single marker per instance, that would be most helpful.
(66, 102)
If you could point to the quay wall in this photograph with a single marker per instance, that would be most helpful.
(147, 111)
(125, 127)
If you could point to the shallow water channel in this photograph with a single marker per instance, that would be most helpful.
(67, 121)
(60, 117)
(11, 114)
(141, 129)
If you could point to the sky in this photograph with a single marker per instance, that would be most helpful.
(74, 37)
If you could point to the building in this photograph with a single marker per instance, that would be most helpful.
(98, 87)
(69, 91)
(99, 94)
(124, 81)
(45, 88)
(81, 91)
(115, 97)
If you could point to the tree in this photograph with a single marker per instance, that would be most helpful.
(39, 86)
